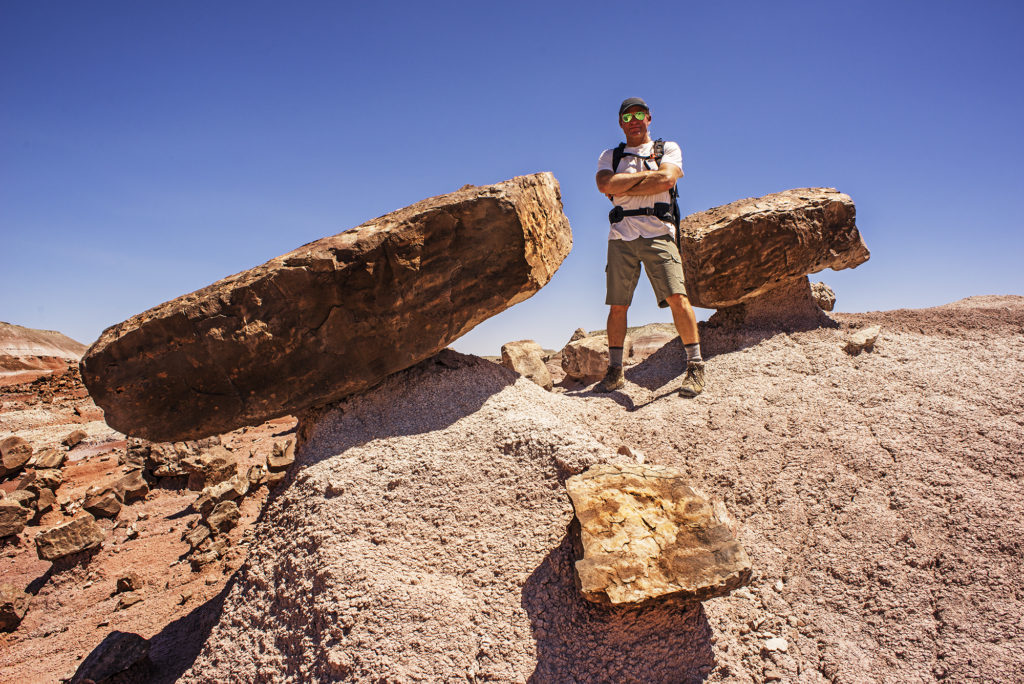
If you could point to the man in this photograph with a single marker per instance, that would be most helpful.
(643, 233)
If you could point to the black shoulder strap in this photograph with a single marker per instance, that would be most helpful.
(617, 156)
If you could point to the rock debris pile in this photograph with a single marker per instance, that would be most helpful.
(67, 524)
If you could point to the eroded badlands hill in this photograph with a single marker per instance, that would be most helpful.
(879, 496)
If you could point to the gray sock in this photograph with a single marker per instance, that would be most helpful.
(692, 352)
(615, 357)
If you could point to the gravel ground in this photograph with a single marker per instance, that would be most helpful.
(423, 534)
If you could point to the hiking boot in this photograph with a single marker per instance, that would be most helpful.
(693, 381)
(612, 381)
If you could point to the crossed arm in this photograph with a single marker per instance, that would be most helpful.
(640, 183)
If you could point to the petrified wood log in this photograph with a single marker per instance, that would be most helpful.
(331, 318)
(737, 252)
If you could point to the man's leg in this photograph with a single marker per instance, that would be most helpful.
(614, 378)
(683, 317)
(622, 274)
(617, 325)
(686, 325)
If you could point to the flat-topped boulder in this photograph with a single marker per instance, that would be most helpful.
(331, 318)
(756, 253)
(646, 534)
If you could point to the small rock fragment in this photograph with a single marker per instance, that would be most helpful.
(823, 296)
(128, 599)
(102, 503)
(49, 457)
(25, 497)
(632, 453)
(74, 438)
(15, 452)
(587, 359)
(80, 534)
(200, 560)
(120, 657)
(526, 357)
(46, 478)
(196, 536)
(645, 534)
(776, 644)
(862, 340)
(224, 516)
(129, 581)
(132, 487)
(211, 467)
(13, 606)
(282, 457)
(257, 475)
(45, 501)
(13, 517)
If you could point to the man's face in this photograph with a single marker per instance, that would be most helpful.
(635, 128)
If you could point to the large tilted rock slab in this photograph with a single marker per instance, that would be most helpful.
(331, 318)
(646, 534)
(737, 252)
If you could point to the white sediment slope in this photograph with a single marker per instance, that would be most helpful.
(879, 496)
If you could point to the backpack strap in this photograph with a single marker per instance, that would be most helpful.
(659, 152)
(617, 154)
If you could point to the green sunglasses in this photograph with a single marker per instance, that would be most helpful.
(629, 116)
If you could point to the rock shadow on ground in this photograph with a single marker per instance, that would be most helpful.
(364, 422)
(661, 641)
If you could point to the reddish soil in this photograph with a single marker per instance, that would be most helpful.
(73, 609)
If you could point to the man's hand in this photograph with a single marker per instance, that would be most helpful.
(640, 183)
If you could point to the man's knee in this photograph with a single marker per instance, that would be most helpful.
(618, 309)
(677, 301)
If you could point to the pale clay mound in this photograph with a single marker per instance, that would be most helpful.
(16, 340)
(423, 537)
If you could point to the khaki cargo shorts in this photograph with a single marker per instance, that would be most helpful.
(660, 258)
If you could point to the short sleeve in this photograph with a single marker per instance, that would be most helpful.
(673, 155)
(604, 162)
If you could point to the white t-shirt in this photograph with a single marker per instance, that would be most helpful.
(632, 227)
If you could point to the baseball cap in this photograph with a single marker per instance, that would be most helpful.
(632, 102)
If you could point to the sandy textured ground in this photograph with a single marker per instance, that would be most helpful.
(879, 495)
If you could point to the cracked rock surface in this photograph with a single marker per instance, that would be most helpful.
(331, 318)
(739, 251)
(646, 534)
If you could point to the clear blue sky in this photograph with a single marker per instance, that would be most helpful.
(148, 149)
